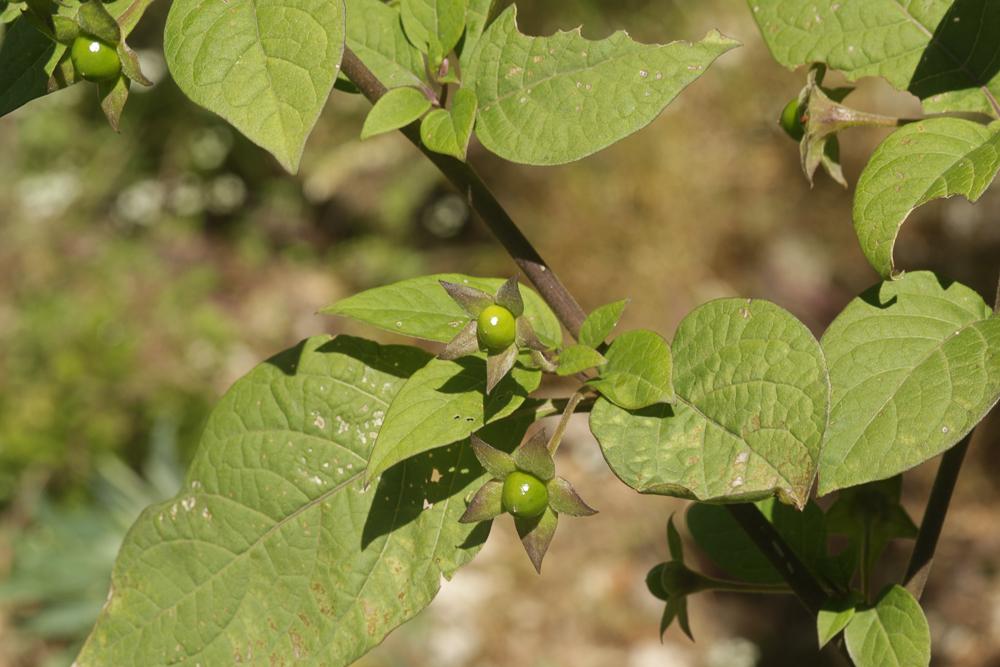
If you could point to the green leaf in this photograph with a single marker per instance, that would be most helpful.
(893, 633)
(266, 67)
(274, 552)
(421, 308)
(600, 323)
(448, 131)
(444, 402)
(433, 26)
(752, 397)
(944, 52)
(834, 616)
(939, 157)
(637, 372)
(375, 34)
(914, 364)
(476, 16)
(577, 358)
(397, 108)
(716, 533)
(11, 10)
(28, 58)
(551, 100)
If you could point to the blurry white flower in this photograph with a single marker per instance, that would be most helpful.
(47, 195)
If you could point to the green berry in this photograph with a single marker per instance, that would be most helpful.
(496, 328)
(524, 495)
(791, 120)
(94, 60)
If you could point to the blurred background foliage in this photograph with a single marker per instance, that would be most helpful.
(141, 273)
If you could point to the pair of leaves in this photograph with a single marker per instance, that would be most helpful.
(636, 370)
(274, 551)
(891, 633)
(946, 52)
(596, 327)
(445, 131)
(752, 397)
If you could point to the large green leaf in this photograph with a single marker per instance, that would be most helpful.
(550, 100)
(444, 402)
(266, 66)
(752, 397)
(914, 364)
(375, 34)
(421, 308)
(934, 158)
(274, 552)
(946, 52)
(716, 532)
(893, 633)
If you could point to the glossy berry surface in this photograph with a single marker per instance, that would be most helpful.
(94, 60)
(791, 120)
(524, 495)
(496, 328)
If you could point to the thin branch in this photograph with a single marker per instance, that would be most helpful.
(770, 543)
(922, 557)
(482, 201)
(568, 412)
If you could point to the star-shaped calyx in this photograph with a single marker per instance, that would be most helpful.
(524, 485)
(498, 328)
(672, 582)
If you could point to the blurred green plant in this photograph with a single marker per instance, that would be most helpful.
(61, 563)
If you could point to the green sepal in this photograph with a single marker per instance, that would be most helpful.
(536, 535)
(472, 300)
(533, 457)
(486, 504)
(564, 499)
(498, 365)
(509, 296)
(114, 95)
(497, 463)
(95, 20)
